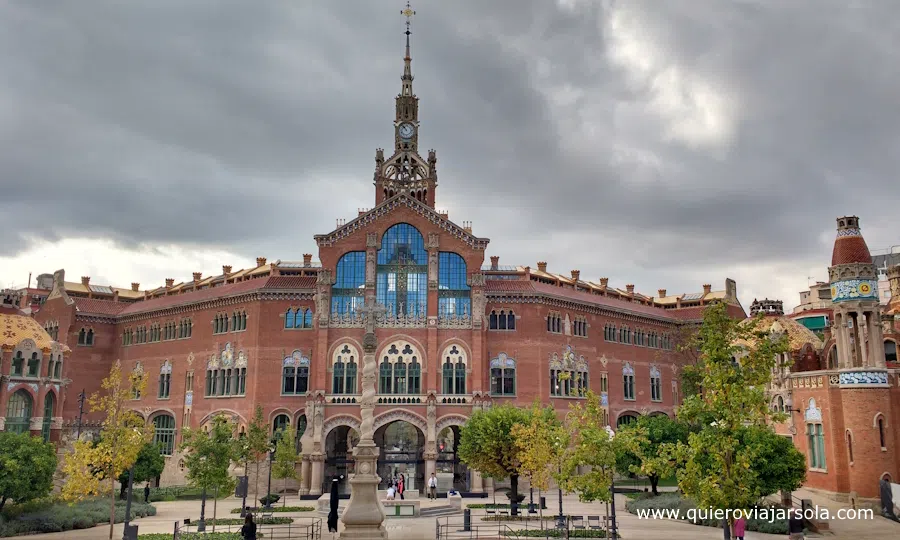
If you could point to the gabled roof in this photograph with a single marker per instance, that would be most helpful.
(387, 207)
(94, 306)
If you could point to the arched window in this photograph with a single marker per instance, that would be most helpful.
(568, 374)
(281, 423)
(779, 404)
(289, 318)
(18, 412)
(48, 416)
(225, 374)
(164, 433)
(890, 350)
(454, 371)
(815, 436)
(655, 384)
(510, 320)
(626, 419)
(881, 437)
(350, 282)
(307, 318)
(400, 371)
(82, 337)
(554, 322)
(493, 321)
(833, 358)
(165, 380)
(295, 374)
(503, 376)
(579, 326)
(402, 271)
(453, 291)
(628, 380)
(18, 364)
(344, 369)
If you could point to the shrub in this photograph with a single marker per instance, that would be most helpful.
(277, 509)
(488, 505)
(517, 518)
(556, 533)
(271, 498)
(195, 536)
(60, 517)
(259, 521)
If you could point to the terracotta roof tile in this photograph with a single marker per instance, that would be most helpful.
(603, 301)
(95, 306)
(163, 302)
(508, 285)
(695, 313)
(15, 328)
(290, 282)
(850, 249)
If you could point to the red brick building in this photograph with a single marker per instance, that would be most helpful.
(454, 334)
(841, 389)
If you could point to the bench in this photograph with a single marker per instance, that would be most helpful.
(267, 515)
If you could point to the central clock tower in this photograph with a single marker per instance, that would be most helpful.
(406, 171)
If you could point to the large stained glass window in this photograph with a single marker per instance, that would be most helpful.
(453, 291)
(402, 273)
(348, 291)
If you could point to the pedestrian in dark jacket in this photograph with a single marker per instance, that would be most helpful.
(248, 531)
(147, 493)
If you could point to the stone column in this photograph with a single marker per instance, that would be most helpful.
(876, 339)
(305, 471)
(845, 359)
(477, 482)
(489, 486)
(364, 516)
(317, 474)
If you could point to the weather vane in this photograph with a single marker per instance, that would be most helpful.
(408, 13)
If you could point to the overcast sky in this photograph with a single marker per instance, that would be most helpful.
(665, 144)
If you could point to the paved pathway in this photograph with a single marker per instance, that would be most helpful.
(630, 526)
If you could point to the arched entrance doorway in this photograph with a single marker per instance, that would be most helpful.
(339, 457)
(448, 468)
(401, 445)
(18, 412)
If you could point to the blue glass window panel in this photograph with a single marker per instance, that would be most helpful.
(401, 282)
(350, 282)
(289, 318)
(451, 272)
(402, 244)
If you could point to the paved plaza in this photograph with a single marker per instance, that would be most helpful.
(631, 528)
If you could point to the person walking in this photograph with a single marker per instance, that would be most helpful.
(248, 531)
(432, 487)
(795, 526)
(740, 524)
(401, 486)
(147, 493)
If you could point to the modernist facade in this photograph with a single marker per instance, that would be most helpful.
(454, 334)
(841, 387)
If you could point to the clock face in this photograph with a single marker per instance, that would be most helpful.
(407, 130)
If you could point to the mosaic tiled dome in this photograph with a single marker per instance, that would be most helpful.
(849, 246)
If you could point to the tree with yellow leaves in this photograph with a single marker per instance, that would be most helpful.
(542, 444)
(122, 435)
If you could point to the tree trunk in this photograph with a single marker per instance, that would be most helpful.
(112, 502)
(654, 482)
(284, 493)
(2, 502)
(256, 485)
(215, 502)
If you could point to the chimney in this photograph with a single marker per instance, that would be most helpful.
(307, 260)
(662, 293)
(135, 286)
(85, 280)
(542, 266)
(495, 262)
(629, 288)
(260, 261)
(170, 282)
(197, 276)
(528, 273)
(226, 269)
(707, 288)
(604, 281)
(115, 295)
(576, 275)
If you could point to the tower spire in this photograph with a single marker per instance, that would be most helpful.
(407, 59)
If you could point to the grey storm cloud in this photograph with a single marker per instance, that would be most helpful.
(251, 125)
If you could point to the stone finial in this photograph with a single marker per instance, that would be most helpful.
(197, 276)
(707, 288)
(260, 261)
(893, 275)
(542, 266)
(662, 293)
(170, 282)
(307, 260)
(85, 280)
(847, 222)
(629, 288)
(226, 269)
(135, 286)
(576, 275)
(767, 307)
(495, 262)
(604, 282)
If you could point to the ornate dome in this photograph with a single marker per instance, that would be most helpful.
(849, 246)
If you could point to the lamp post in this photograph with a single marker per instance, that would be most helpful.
(560, 519)
(269, 489)
(125, 535)
(613, 530)
(81, 397)
(201, 525)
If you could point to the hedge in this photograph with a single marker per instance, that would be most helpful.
(556, 533)
(58, 517)
(277, 509)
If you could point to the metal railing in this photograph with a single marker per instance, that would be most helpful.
(301, 529)
(454, 527)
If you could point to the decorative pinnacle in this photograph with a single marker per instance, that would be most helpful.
(408, 13)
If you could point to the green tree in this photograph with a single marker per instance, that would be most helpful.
(149, 465)
(27, 465)
(286, 458)
(487, 443)
(208, 457)
(737, 360)
(535, 442)
(253, 446)
(640, 443)
(122, 435)
(779, 466)
(592, 448)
